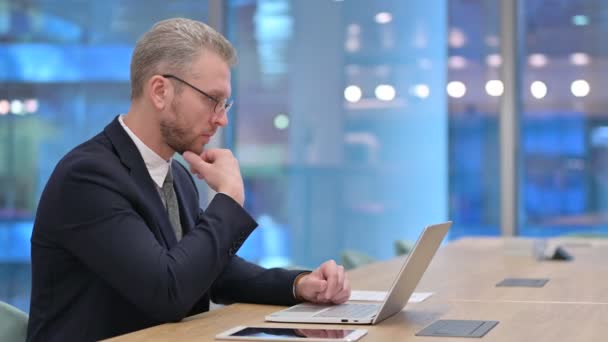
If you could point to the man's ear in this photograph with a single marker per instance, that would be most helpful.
(159, 91)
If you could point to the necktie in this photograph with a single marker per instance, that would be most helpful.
(171, 204)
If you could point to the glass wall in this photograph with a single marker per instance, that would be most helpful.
(564, 122)
(356, 122)
(473, 97)
(341, 124)
(64, 74)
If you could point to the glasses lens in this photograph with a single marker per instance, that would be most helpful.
(228, 105)
(223, 105)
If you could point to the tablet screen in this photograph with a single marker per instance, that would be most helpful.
(278, 333)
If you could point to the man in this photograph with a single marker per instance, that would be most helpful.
(120, 243)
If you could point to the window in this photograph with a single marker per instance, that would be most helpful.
(65, 74)
(329, 123)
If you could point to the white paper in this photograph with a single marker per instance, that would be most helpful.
(418, 297)
(374, 296)
(378, 296)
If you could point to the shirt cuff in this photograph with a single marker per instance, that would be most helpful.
(295, 283)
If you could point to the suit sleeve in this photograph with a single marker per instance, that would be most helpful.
(99, 225)
(242, 281)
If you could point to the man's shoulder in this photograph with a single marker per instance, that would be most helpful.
(77, 177)
(96, 153)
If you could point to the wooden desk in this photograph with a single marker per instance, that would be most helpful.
(518, 322)
(471, 268)
(573, 306)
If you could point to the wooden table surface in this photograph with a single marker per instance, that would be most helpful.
(572, 306)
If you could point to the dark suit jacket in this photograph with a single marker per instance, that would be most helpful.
(105, 260)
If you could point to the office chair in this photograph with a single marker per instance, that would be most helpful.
(588, 235)
(13, 323)
(403, 247)
(353, 259)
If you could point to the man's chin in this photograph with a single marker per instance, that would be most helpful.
(196, 149)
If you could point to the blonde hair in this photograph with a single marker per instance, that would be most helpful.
(171, 46)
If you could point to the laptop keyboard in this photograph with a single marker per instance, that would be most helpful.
(350, 310)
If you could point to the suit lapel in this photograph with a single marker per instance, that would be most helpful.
(129, 155)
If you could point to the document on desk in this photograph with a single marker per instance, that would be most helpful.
(378, 296)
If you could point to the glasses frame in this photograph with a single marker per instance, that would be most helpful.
(225, 104)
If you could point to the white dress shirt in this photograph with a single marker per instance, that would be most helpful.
(156, 165)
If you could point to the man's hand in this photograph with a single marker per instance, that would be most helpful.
(220, 169)
(327, 284)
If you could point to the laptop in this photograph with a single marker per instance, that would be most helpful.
(371, 313)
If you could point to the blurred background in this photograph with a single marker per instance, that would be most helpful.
(356, 122)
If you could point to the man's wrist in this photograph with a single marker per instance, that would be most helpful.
(294, 287)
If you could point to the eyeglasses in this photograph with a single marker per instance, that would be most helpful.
(220, 104)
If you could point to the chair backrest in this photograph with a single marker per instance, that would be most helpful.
(352, 259)
(13, 323)
(403, 247)
(588, 235)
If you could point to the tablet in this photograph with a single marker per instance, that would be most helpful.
(244, 333)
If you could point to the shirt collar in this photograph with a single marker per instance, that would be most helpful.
(156, 165)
